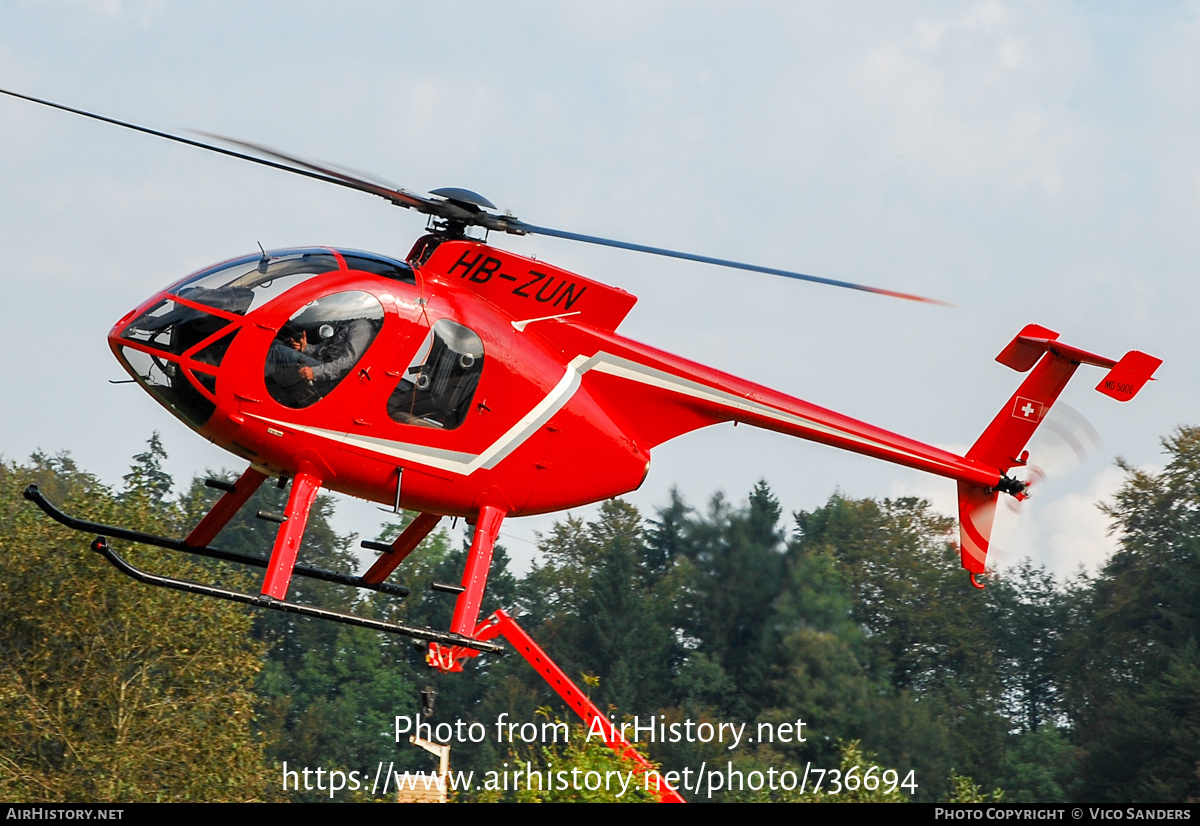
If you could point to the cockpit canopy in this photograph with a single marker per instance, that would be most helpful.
(175, 347)
(243, 285)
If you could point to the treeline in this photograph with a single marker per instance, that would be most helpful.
(854, 618)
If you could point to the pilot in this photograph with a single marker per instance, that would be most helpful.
(320, 345)
(337, 354)
(286, 360)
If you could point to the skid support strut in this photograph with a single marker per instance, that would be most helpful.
(225, 509)
(479, 562)
(400, 548)
(474, 581)
(287, 541)
(500, 624)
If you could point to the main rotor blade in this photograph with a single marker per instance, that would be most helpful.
(720, 262)
(457, 213)
(395, 196)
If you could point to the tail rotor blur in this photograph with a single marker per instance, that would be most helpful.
(1064, 441)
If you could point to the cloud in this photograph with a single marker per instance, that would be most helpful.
(955, 101)
(1063, 534)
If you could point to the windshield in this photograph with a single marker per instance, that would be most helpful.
(245, 284)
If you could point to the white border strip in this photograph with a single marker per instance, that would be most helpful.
(465, 463)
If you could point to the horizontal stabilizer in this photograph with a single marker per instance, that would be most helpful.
(1026, 347)
(1129, 375)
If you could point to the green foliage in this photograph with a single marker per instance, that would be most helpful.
(909, 591)
(1032, 616)
(859, 778)
(1040, 768)
(111, 691)
(914, 676)
(865, 771)
(819, 654)
(966, 790)
(1135, 657)
(862, 625)
(488, 685)
(735, 572)
(327, 693)
(600, 609)
(146, 479)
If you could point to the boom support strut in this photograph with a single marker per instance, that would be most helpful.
(502, 624)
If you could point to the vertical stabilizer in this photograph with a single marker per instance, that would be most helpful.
(1002, 444)
(976, 512)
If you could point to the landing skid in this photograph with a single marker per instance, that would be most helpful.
(100, 545)
(38, 498)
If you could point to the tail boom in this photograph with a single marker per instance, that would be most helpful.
(658, 396)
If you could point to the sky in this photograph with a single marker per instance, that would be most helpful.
(1026, 162)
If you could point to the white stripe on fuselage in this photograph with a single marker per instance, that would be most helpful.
(467, 463)
(633, 371)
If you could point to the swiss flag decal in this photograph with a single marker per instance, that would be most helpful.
(1028, 409)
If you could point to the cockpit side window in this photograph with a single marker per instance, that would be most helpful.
(319, 346)
(379, 265)
(439, 384)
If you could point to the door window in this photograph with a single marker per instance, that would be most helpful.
(437, 388)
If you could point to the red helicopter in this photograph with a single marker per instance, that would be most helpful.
(465, 380)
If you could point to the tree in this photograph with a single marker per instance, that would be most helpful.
(146, 479)
(1031, 615)
(859, 778)
(112, 690)
(734, 572)
(820, 660)
(1040, 768)
(1135, 660)
(599, 607)
(933, 693)
(900, 560)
